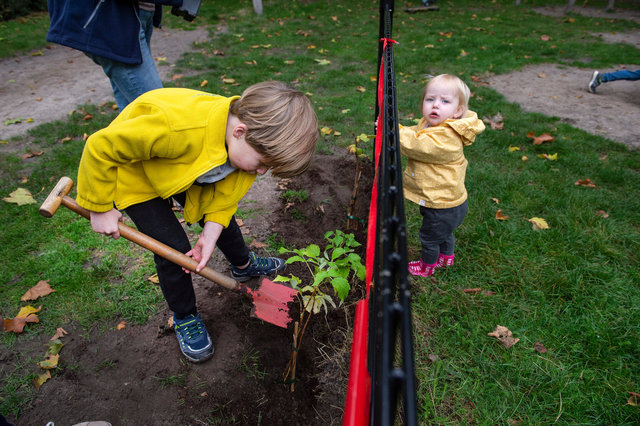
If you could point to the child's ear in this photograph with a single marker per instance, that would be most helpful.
(239, 130)
(459, 112)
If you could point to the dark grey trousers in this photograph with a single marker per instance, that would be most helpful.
(436, 232)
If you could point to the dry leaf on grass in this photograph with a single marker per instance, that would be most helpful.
(504, 335)
(539, 347)
(41, 289)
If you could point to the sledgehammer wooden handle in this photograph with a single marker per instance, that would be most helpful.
(59, 196)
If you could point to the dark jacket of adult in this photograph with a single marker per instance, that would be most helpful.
(107, 28)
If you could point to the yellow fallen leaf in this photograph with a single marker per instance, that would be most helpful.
(539, 223)
(361, 89)
(154, 279)
(204, 83)
(28, 310)
(41, 289)
(323, 61)
(20, 197)
(121, 325)
(39, 381)
(634, 399)
(552, 157)
(228, 80)
(496, 200)
(514, 148)
(50, 363)
(524, 158)
(326, 131)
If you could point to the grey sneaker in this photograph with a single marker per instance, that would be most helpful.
(193, 338)
(595, 82)
(258, 266)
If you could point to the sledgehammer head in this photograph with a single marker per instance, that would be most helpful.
(53, 201)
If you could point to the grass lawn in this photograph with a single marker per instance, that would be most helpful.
(573, 288)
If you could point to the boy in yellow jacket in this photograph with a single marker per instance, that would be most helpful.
(204, 151)
(436, 167)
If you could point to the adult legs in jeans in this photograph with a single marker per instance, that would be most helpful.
(130, 81)
(436, 233)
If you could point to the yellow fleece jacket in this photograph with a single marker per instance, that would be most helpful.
(157, 147)
(436, 165)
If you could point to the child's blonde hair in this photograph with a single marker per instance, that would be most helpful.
(451, 80)
(281, 126)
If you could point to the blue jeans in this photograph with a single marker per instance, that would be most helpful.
(620, 75)
(130, 81)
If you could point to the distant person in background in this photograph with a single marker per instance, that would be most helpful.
(598, 78)
(116, 35)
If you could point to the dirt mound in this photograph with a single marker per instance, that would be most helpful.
(137, 376)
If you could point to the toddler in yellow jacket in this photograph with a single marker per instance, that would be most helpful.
(436, 168)
(204, 151)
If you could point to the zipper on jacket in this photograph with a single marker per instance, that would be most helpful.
(93, 14)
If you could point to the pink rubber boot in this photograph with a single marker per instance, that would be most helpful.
(444, 260)
(421, 269)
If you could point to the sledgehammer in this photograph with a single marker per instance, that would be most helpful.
(269, 300)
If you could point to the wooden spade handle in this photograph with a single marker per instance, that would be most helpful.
(159, 248)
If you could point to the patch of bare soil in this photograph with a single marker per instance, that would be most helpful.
(612, 112)
(47, 87)
(137, 376)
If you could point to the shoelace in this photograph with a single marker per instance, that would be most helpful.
(192, 329)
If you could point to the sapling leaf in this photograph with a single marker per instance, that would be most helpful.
(294, 259)
(341, 287)
(337, 252)
(319, 277)
(312, 250)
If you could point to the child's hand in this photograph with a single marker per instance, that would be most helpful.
(203, 248)
(106, 223)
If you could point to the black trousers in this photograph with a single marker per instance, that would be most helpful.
(157, 219)
(436, 232)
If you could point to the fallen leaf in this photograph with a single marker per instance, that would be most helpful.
(28, 310)
(50, 363)
(553, 157)
(177, 77)
(585, 182)
(488, 292)
(504, 335)
(20, 197)
(542, 75)
(205, 82)
(361, 89)
(256, 244)
(154, 279)
(539, 223)
(545, 37)
(16, 325)
(475, 290)
(121, 325)
(433, 357)
(60, 332)
(323, 61)
(87, 117)
(326, 131)
(31, 154)
(524, 158)
(41, 289)
(539, 347)
(539, 140)
(495, 200)
(602, 213)
(634, 399)
(501, 216)
(514, 148)
(39, 381)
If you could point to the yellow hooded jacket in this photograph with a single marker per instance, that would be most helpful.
(436, 165)
(157, 147)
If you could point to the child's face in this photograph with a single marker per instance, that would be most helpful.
(440, 103)
(241, 155)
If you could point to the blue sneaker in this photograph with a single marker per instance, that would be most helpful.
(193, 338)
(258, 266)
